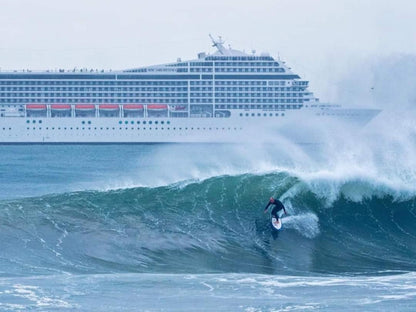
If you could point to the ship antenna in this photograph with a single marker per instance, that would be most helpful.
(219, 44)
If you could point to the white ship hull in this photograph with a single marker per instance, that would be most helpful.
(300, 126)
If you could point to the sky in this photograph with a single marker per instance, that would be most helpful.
(325, 41)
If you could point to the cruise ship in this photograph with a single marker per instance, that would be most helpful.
(226, 96)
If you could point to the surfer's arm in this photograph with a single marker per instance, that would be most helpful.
(265, 209)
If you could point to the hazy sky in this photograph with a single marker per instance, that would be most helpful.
(318, 39)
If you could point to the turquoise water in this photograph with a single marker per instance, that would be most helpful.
(181, 228)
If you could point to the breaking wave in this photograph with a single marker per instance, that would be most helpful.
(212, 226)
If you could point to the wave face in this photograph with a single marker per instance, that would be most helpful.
(212, 226)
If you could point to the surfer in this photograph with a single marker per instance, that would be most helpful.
(277, 207)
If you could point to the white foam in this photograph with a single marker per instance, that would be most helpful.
(38, 296)
(307, 224)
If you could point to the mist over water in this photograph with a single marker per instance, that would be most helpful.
(192, 216)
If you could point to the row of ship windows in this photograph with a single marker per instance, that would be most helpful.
(131, 128)
(235, 64)
(239, 58)
(91, 82)
(207, 101)
(252, 102)
(160, 89)
(160, 95)
(257, 106)
(259, 115)
(95, 94)
(98, 100)
(232, 70)
(95, 83)
(237, 95)
(94, 101)
(150, 122)
(248, 104)
(223, 96)
(104, 89)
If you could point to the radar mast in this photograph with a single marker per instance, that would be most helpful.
(219, 44)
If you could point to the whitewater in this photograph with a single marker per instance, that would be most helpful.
(181, 227)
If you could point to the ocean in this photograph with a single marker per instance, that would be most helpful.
(177, 227)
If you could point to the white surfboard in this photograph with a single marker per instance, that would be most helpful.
(277, 223)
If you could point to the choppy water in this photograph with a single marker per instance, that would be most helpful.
(181, 228)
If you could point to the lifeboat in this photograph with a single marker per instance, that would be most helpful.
(37, 107)
(85, 110)
(133, 107)
(133, 110)
(85, 106)
(157, 107)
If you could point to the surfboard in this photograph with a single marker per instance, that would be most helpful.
(277, 223)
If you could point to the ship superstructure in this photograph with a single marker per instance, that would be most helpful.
(215, 98)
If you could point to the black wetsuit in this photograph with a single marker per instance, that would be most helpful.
(277, 207)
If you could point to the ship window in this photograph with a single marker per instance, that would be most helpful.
(150, 122)
(27, 121)
(83, 122)
(34, 121)
(162, 122)
(138, 122)
(120, 122)
(89, 122)
(132, 122)
(40, 121)
(126, 122)
(144, 122)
